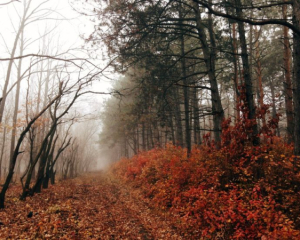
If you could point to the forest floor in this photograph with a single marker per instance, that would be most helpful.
(93, 206)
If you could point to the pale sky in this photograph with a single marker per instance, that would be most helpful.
(65, 33)
(69, 28)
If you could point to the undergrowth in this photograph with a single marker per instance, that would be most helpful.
(237, 191)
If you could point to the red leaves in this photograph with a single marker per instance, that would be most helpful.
(237, 192)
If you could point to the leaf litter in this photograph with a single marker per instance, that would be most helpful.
(93, 206)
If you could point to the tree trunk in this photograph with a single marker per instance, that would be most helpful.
(236, 72)
(187, 118)
(15, 116)
(151, 136)
(274, 111)
(37, 188)
(143, 137)
(47, 172)
(288, 88)
(2, 151)
(296, 57)
(12, 55)
(185, 90)
(197, 132)
(259, 74)
(52, 174)
(157, 140)
(41, 153)
(179, 132)
(137, 138)
(210, 58)
(16, 153)
(247, 76)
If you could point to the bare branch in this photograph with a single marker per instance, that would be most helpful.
(2, 4)
(192, 86)
(46, 56)
(250, 21)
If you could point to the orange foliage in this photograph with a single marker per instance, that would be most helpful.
(240, 191)
(93, 206)
(215, 198)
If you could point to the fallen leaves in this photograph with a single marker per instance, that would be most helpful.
(90, 207)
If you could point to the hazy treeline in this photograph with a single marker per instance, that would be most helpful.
(185, 64)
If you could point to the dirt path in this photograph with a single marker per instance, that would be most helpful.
(89, 207)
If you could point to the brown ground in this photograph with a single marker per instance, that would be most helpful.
(89, 207)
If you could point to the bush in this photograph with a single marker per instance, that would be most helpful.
(239, 191)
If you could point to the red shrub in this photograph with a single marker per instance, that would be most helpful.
(239, 191)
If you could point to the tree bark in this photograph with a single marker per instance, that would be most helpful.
(50, 162)
(143, 137)
(17, 96)
(210, 58)
(259, 74)
(179, 131)
(16, 152)
(185, 89)
(26, 189)
(37, 188)
(274, 111)
(296, 80)
(247, 76)
(288, 88)
(236, 73)
(2, 151)
(197, 132)
(12, 55)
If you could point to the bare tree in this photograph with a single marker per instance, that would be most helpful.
(6, 3)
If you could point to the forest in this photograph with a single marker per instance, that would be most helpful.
(188, 109)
